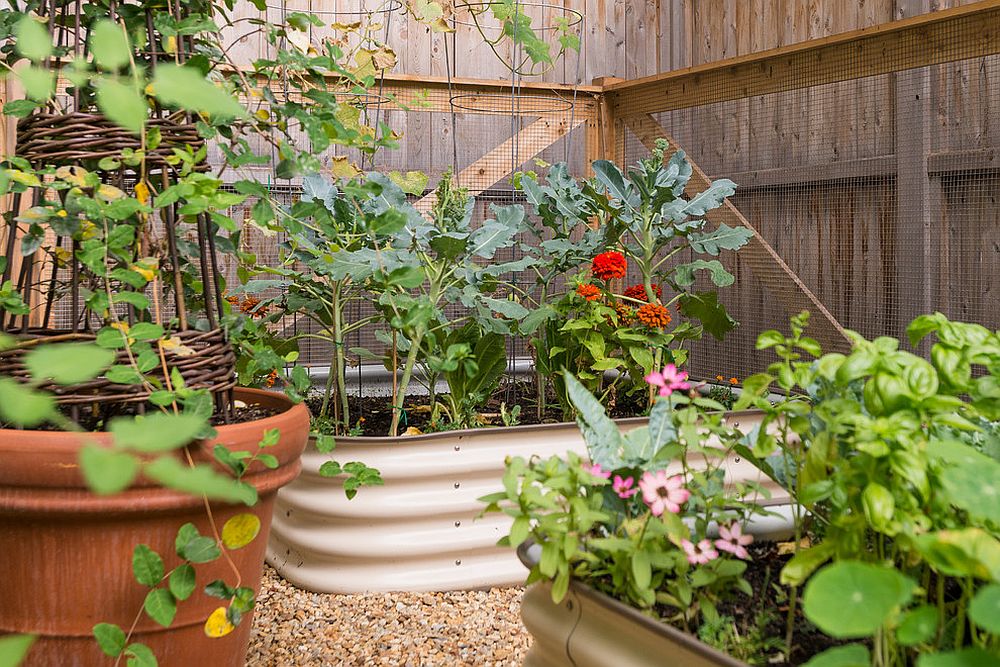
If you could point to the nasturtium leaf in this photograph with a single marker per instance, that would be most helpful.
(110, 638)
(199, 480)
(240, 530)
(984, 610)
(68, 363)
(23, 406)
(852, 655)
(107, 471)
(147, 566)
(14, 648)
(854, 599)
(33, 39)
(918, 625)
(967, 657)
(122, 104)
(218, 624)
(182, 581)
(140, 655)
(157, 432)
(187, 88)
(109, 45)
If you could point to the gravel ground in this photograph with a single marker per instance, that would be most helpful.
(296, 627)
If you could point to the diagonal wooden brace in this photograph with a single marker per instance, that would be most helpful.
(496, 164)
(793, 295)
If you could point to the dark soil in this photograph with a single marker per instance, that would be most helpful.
(371, 416)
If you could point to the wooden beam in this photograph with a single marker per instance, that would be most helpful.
(496, 164)
(766, 264)
(959, 33)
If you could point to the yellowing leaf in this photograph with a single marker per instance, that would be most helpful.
(345, 27)
(176, 346)
(341, 167)
(171, 45)
(240, 530)
(413, 430)
(109, 192)
(74, 175)
(218, 625)
(262, 114)
(62, 256)
(23, 178)
(142, 194)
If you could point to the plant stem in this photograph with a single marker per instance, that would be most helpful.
(411, 359)
(338, 343)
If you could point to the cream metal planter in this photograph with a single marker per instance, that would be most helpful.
(420, 532)
(590, 629)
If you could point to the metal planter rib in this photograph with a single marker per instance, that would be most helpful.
(420, 532)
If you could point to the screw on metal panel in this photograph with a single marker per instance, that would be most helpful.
(457, 524)
(737, 459)
(458, 484)
(458, 561)
(457, 448)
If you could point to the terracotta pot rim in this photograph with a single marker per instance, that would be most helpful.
(239, 393)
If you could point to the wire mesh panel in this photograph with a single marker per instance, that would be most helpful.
(878, 192)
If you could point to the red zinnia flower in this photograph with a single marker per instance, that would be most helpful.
(638, 292)
(653, 315)
(589, 292)
(609, 265)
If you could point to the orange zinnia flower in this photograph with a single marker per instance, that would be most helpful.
(609, 265)
(638, 292)
(626, 314)
(733, 381)
(589, 292)
(653, 315)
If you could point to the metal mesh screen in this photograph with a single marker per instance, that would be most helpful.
(880, 193)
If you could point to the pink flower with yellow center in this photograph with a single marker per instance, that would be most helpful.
(661, 493)
(733, 540)
(669, 380)
(623, 487)
(699, 554)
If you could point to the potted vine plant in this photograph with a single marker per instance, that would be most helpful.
(889, 465)
(118, 351)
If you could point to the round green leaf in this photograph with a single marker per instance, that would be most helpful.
(969, 657)
(161, 606)
(140, 655)
(147, 566)
(13, 649)
(182, 581)
(110, 638)
(974, 487)
(105, 470)
(854, 599)
(852, 655)
(22, 406)
(68, 363)
(157, 432)
(240, 530)
(122, 104)
(33, 40)
(187, 88)
(984, 610)
(109, 45)
(918, 626)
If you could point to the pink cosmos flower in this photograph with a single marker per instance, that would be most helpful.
(699, 554)
(623, 487)
(663, 493)
(597, 471)
(733, 540)
(669, 380)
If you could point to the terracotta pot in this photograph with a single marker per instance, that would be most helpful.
(66, 559)
(591, 629)
(422, 531)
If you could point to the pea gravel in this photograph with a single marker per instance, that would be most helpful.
(296, 627)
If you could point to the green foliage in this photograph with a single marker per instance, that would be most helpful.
(14, 648)
(886, 456)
